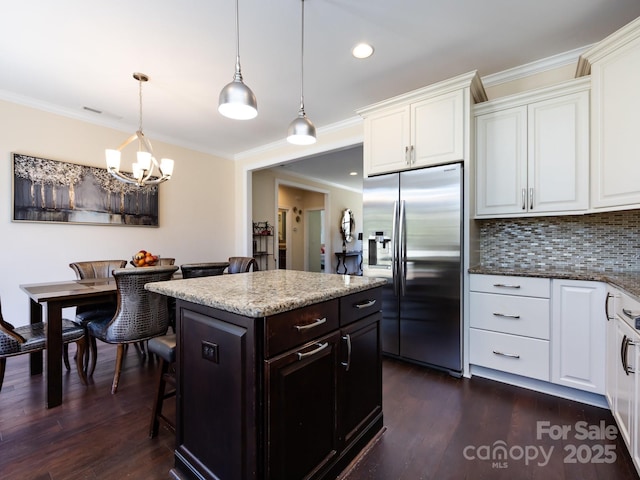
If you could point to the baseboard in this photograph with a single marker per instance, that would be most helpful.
(541, 386)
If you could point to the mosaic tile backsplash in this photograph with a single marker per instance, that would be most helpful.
(607, 242)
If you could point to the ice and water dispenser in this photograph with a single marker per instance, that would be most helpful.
(379, 250)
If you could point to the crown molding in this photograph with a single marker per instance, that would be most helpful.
(318, 147)
(539, 66)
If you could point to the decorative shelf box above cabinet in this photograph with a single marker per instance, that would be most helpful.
(532, 152)
(614, 64)
(422, 128)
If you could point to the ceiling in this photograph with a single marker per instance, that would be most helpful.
(67, 55)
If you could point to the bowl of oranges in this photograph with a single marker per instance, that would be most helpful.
(144, 259)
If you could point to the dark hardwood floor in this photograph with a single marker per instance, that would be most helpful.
(431, 420)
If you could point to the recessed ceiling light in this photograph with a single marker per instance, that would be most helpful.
(353, 174)
(362, 50)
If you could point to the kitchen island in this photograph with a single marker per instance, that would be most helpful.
(279, 373)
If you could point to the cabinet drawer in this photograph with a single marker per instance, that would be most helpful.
(524, 356)
(511, 285)
(627, 308)
(526, 316)
(359, 305)
(289, 329)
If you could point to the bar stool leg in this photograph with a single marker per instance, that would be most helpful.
(161, 394)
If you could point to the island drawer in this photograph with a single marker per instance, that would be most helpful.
(290, 329)
(359, 305)
(511, 285)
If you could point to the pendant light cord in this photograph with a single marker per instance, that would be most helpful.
(302, 64)
(238, 75)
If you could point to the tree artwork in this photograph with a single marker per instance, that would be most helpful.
(54, 191)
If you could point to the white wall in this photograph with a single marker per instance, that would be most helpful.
(197, 221)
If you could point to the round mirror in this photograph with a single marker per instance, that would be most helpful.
(347, 225)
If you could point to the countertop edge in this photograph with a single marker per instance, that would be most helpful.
(629, 282)
(258, 308)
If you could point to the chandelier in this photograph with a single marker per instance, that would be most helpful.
(146, 163)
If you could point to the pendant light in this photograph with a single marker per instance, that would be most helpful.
(301, 130)
(144, 167)
(236, 100)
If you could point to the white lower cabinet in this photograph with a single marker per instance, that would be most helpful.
(578, 334)
(510, 324)
(611, 338)
(550, 330)
(625, 381)
(623, 369)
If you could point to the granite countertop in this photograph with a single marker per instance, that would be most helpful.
(627, 281)
(259, 294)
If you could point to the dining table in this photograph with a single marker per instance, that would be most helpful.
(46, 302)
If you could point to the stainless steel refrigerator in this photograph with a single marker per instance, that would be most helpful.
(413, 234)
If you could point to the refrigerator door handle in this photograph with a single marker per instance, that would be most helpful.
(394, 249)
(402, 250)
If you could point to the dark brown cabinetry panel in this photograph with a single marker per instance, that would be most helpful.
(301, 412)
(260, 398)
(359, 378)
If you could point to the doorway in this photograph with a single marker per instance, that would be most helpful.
(301, 218)
(315, 241)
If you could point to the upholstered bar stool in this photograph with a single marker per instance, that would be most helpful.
(165, 348)
(242, 264)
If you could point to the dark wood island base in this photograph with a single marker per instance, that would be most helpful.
(294, 394)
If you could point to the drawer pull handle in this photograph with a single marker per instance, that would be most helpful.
(321, 346)
(630, 314)
(505, 315)
(347, 364)
(510, 355)
(318, 321)
(505, 285)
(606, 306)
(365, 304)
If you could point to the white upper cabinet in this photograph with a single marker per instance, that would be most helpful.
(421, 128)
(532, 152)
(388, 137)
(615, 101)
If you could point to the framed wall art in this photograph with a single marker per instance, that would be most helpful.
(52, 191)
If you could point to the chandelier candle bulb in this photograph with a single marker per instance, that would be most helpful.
(113, 159)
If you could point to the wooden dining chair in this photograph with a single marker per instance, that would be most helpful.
(85, 313)
(32, 338)
(140, 315)
(242, 264)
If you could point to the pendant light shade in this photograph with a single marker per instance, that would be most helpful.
(301, 130)
(236, 100)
